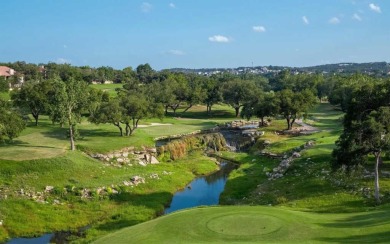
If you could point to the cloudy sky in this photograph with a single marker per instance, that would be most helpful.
(195, 34)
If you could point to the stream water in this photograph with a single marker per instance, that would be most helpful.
(202, 191)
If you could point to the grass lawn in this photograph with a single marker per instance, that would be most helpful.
(110, 88)
(257, 224)
(47, 140)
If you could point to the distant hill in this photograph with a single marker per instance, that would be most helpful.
(376, 68)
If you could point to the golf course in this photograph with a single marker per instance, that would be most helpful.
(49, 190)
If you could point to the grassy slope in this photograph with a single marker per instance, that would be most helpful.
(132, 205)
(40, 157)
(307, 186)
(257, 225)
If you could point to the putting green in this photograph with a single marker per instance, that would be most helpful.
(257, 224)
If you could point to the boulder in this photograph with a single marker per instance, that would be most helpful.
(137, 180)
(153, 160)
(110, 155)
(296, 155)
(142, 163)
(49, 188)
(154, 176)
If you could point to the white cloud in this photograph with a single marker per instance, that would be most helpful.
(172, 5)
(375, 8)
(63, 61)
(357, 17)
(259, 28)
(305, 20)
(146, 7)
(334, 21)
(219, 38)
(176, 52)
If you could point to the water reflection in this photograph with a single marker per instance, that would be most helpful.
(203, 191)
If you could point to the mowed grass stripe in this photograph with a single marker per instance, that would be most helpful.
(257, 224)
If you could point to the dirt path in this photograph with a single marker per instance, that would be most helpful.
(305, 127)
(152, 124)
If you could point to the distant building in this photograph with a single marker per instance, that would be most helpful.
(6, 72)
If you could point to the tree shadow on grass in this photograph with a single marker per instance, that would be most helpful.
(362, 220)
(381, 237)
(85, 133)
(18, 143)
(153, 201)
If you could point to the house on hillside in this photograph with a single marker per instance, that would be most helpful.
(6, 72)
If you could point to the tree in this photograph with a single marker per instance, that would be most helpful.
(366, 128)
(137, 106)
(263, 106)
(195, 93)
(213, 93)
(237, 92)
(4, 87)
(376, 139)
(109, 112)
(11, 123)
(96, 97)
(33, 96)
(145, 73)
(66, 103)
(176, 90)
(293, 104)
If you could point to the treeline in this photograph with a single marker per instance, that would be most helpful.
(62, 92)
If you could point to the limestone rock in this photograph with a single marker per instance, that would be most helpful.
(49, 188)
(153, 160)
(142, 163)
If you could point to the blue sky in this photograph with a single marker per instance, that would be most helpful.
(195, 34)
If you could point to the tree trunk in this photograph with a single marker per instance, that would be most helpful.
(127, 129)
(185, 110)
(208, 109)
(119, 127)
(237, 109)
(378, 159)
(288, 123)
(72, 146)
(174, 108)
(36, 116)
(166, 109)
(262, 121)
(292, 122)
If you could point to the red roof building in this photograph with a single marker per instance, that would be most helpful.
(6, 71)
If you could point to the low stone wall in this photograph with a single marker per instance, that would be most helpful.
(128, 156)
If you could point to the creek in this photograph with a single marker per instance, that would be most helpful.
(202, 191)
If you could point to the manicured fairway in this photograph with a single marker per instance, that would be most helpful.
(257, 224)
